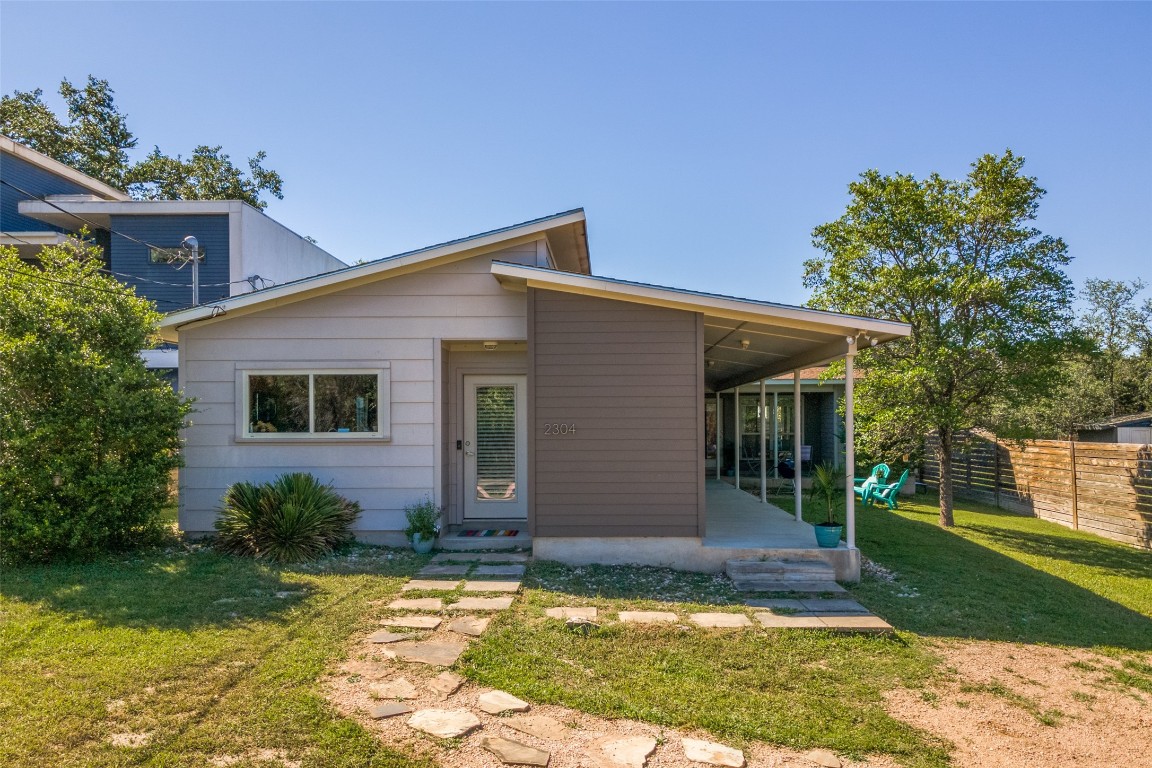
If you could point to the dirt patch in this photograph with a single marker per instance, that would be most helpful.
(257, 756)
(1004, 705)
(347, 688)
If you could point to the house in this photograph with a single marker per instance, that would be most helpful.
(43, 201)
(498, 376)
(1134, 428)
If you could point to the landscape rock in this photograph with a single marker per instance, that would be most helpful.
(570, 613)
(540, 726)
(495, 702)
(388, 709)
(437, 654)
(384, 636)
(700, 751)
(648, 617)
(621, 751)
(413, 622)
(513, 752)
(469, 625)
(446, 683)
(399, 688)
(445, 723)
(823, 758)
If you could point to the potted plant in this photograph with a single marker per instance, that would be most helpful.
(423, 525)
(825, 486)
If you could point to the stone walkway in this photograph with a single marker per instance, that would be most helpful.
(453, 599)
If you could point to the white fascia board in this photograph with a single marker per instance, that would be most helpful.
(692, 301)
(58, 168)
(364, 273)
(131, 207)
(32, 238)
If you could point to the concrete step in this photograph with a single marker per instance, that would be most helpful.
(451, 542)
(782, 576)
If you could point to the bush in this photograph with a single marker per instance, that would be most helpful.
(293, 518)
(88, 435)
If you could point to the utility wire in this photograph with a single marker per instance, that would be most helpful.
(81, 286)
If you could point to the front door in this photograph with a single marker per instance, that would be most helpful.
(495, 448)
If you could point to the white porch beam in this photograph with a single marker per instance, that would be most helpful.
(719, 436)
(796, 440)
(739, 433)
(849, 451)
(763, 440)
(775, 435)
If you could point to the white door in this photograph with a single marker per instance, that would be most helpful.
(495, 448)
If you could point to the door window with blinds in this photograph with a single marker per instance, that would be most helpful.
(495, 444)
(315, 404)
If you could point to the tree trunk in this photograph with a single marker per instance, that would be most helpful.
(944, 459)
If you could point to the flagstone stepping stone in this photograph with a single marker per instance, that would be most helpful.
(540, 726)
(436, 654)
(790, 621)
(443, 570)
(778, 603)
(413, 622)
(721, 620)
(648, 617)
(417, 604)
(479, 557)
(473, 626)
(571, 613)
(857, 624)
(399, 688)
(384, 636)
(709, 752)
(446, 683)
(491, 586)
(445, 723)
(388, 709)
(430, 584)
(513, 752)
(495, 702)
(621, 752)
(481, 604)
(837, 606)
(499, 570)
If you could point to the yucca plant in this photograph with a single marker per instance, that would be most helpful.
(293, 518)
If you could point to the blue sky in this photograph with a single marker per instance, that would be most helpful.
(704, 140)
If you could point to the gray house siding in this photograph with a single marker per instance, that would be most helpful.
(404, 321)
(629, 378)
(38, 181)
(131, 258)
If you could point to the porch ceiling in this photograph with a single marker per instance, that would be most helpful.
(740, 351)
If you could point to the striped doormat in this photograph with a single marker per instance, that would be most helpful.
(488, 532)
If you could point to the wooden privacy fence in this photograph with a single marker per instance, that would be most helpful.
(1104, 488)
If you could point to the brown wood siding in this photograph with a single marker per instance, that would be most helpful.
(630, 378)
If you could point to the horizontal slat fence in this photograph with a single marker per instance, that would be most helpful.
(1104, 488)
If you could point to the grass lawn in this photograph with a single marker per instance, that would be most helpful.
(209, 656)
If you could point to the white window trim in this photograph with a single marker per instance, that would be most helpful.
(383, 374)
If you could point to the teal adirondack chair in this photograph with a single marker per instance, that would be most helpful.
(887, 493)
(865, 486)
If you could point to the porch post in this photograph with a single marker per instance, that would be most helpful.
(796, 438)
(763, 440)
(849, 450)
(775, 435)
(719, 435)
(739, 433)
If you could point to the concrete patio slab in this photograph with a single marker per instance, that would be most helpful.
(413, 622)
(839, 607)
(720, 620)
(480, 557)
(444, 570)
(571, 613)
(430, 585)
(491, 586)
(499, 570)
(481, 604)
(648, 617)
(793, 621)
(418, 604)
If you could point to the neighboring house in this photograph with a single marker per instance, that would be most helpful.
(43, 201)
(496, 375)
(1134, 428)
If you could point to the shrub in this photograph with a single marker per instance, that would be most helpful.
(293, 518)
(88, 435)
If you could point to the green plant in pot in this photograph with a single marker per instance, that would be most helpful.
(826, 486)
(423, 524)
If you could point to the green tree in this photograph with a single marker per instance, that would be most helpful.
(1118, 324)
(983, 290)
(95, 139)
(88, 436)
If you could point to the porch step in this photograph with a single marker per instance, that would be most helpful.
(782, 576)
(452, 541)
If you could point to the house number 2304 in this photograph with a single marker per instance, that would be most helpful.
(559, 429)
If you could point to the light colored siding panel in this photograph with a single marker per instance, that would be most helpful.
(401, 457)
(343, 477)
